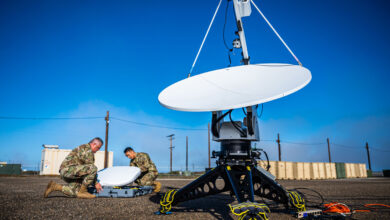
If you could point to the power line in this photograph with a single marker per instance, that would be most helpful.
(173, 128)
(267, 140)
(47, 118)
(156, 126)
(359, 147)
(88, 118)
(377, 149)
(335, 144)
(289, 142)
(346, 146)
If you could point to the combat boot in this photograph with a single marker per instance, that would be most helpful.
(84, 194)
(52, 186)
(157, 186)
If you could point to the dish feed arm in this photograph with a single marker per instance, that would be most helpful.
(242, 8)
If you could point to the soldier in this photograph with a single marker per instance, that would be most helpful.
(149, 171)
(79, 171)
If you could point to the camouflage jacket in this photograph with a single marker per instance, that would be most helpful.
(142, 161)
(81, 155)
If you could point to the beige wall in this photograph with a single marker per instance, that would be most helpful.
(51, 160)
(315, 170)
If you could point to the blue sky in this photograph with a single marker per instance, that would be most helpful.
(82, 58)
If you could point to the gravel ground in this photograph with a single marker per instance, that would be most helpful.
(22, 198)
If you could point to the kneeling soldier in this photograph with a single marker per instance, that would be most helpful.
(149, 171)
(79, 171)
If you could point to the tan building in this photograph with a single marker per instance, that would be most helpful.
(52, 158)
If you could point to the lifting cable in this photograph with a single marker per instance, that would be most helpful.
(204, 39)
(280, 38)
(211, 23)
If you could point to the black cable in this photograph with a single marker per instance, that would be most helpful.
(261, 113)
(235, 125)
(318, 204)
(243, 109)
(266, 155)
(223, 34)
(224, 26)
(224, 115)
(214, 124)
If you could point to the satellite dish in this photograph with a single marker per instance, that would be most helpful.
(118, 176)
(235, 87)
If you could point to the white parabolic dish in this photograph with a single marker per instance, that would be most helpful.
(118, 175)
(235, 87)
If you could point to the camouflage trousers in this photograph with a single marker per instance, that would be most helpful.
(77, 175)
(147, 178)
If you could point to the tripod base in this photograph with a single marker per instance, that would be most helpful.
(243, 181)
(250, 210)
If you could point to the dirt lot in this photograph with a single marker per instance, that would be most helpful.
(21, 198)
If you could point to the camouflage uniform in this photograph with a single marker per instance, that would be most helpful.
(148, 170)
(78, 168)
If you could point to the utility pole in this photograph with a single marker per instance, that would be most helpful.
(278, 141)
(171, 147)
(107, 118)
(208, 128)
(368, 155)
(186, 153)
(330, 160)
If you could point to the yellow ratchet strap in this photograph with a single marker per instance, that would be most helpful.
(297, 200)
(166, 201)
(241, 210)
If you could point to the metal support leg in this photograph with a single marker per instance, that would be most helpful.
(268, 188)
(241, 181)
(205, 185)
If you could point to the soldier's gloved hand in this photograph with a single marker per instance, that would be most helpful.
(98, 187)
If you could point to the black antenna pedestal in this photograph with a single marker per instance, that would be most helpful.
(236, 172)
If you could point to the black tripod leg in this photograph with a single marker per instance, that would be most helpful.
(252, 192)
(242, 188)
(268, 188)
(205, 185)
(234, 183)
